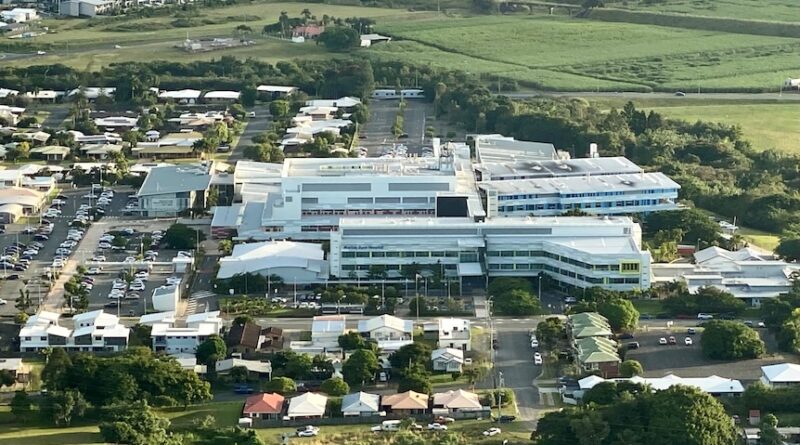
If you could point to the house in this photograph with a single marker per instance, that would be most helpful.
(361, 404)
(449, 333)
(588, 324)
(16, 367)
(406, 403)
(43, 95)
(264, 406)
(447, 359)
(714, 385)
(272, 92)
(790, 435)
(17, 201)
(165, 298)
(168, 191)
(456, 401)
(19, 15)
(244, 338)
(598, 354)
(791, 84)
(170, 146)
(97, 139)
(745, 273)
(157, 317)
(92, 93)
(346, 103)
(326, 329)
(187, 96)
(390, 332)
(782, 375)
(221, 97)
(295, 262)
(100, 151)
(368, 40)
(93, 331)
(308, 31)
(112, 123)
(34, 137)
(179, 340)
(307, 406)
(51, 153)
(6, 92)
(255, 368)
(272, 337)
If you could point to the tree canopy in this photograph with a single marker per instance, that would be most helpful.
(360, 367)
(730, 340)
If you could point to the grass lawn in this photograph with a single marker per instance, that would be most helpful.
(77, 435)
(226, 413)
(587, 55)
(771, 10)
(766, 126)
(648, 306)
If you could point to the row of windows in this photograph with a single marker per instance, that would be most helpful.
(584, 195)
(390, 267)
(356, 212)
(563, 259)
(586, 205)
(564, 272)
(408, 254)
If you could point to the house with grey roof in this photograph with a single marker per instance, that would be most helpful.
(168, 191)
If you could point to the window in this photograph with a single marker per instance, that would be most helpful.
(362, 254)
(629, 267)
(348, 254)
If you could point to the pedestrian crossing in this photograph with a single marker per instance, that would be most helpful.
(193, 305)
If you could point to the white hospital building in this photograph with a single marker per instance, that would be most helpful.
(477, 212)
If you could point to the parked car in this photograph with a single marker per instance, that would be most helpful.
(243, 389)
(534, 343)
(94, 270)
(688, 341)
(307, 431)
(537, 358)
(492, 432)
(662, 341)
(2, 301)
(691, 331)
(704, 316)
(437, 427)
(633, 345)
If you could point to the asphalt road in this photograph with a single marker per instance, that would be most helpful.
(377, 131)
(788, 96)
(253, 127)
(58, 113)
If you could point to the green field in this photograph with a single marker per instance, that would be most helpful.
(770, 10)
(73, 43)
(577, 54)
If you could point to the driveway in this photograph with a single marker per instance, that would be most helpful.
(253, 126)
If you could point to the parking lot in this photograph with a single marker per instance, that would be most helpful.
(688, 361)
(32, 279)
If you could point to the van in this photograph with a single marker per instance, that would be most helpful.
(387, 425)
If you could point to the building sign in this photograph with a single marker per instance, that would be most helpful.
(164, 204)
(363, 247)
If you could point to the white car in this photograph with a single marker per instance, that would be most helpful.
(31, 252)
(137, 286)
(437, 427)
(99, 258)
(94, 271)
(537, 358)
(2, 301)
(89, 196)
(308, 431)
(129, 259)
(59, 202)
(104, 246)
(174, 281)
(492, 432)
(688, 341)
(184, 254)
(63, 251)
(84, 207)
(142, 275)
(151, 253)
(68, 244)
(87, 286)
(119, 284)
(703, 316)
(116, 295)
(534, 343)
(57, 263)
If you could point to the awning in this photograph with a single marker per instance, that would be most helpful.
(470, 270)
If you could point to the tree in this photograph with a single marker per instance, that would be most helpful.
(66, 405)
(7, 378)
(248, 97)
(335, 387)
(554, 428)
(730, 340)
(686, 415)
(279, 109)
(210, 351)
(280, 385)
(789, 249)
(298, 366)
(339, 38)
(769, 431)
(360, 367)
(415, 379)
(630, 368)
(621, 314)
(242, 320)
(590, 429)
(137, 424)
(474, 374)
(24, 300)
(417, 353)
(351, 340)
(54, 374)
(549, 332)
(514, 296)
(21, 406)
(180, 236)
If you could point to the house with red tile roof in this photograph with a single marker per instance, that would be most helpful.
(263, 406)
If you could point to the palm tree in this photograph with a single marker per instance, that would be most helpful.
(306, 15)
(284, 22)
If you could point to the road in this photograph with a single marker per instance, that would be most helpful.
(377, 132)
(634, 96)
(253, 126)
(513, 360)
